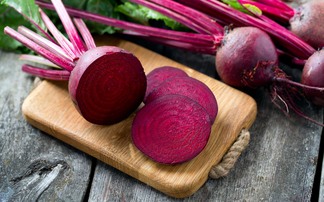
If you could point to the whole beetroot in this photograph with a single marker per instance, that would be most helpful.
(313, 75)
(307, 22)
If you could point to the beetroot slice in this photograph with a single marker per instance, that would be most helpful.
(190, 87)
(107, 84)
(171, 129)
(159, 75)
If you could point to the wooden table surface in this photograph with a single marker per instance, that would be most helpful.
(283, 161)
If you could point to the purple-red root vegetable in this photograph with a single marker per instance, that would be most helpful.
(159, 75)
(248, 58)
(189, 87)
(313, 75)
(307, 23)
(106, 83)
(172, 129)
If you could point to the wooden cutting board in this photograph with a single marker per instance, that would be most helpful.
(49, 108)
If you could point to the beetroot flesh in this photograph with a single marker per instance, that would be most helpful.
(246, 58)
(307, 23)
(189, 87)
(159, 75)
(171, 129)
(313, 75)
(107, 84)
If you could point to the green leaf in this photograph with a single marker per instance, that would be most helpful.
(235, 4)
(144, 15)
(102, 7)
(246, 8)
(253, 9)
(27, 8)
(10, 17)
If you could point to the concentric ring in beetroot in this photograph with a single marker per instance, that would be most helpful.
(171, 129)
(159, 75)
(190, 87)
(110, 85)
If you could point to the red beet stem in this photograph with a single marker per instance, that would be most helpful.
(38, 59)
(185, 15)
(278, 4)
(281, 36)
(60, 38)
(85, 33)
(60, 75)
(49, 37)
(43, 42)
(185, 40)
(56, 59)
(69, 27)
(278, 13)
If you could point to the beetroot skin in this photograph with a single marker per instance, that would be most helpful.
(313, 75)
(190, 87)
(159, 75)
(307, 23)
(246, 58)
(107, 84)
(171, 129)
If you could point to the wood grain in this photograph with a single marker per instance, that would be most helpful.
(50, 109)
(33, 165)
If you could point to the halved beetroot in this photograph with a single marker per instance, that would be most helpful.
(171, 129)
(107, 84)
(159, 75)
(190, 87)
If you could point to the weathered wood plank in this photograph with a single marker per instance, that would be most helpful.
(33, 166)
(278, 165)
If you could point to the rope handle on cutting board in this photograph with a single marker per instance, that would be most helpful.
(229, 159)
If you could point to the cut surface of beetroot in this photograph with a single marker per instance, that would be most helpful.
(190, 87)
(171, 129)
(107, 85)
(159, 75)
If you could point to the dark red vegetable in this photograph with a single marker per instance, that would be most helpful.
(159, 75)
(106, 83)
(313, 75)
(171, 129)
(247, 58)
(189, 87)
(307, 23)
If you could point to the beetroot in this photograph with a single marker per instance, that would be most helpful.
(171, 129)
(307, 23)
(246, 58)
(160, 74)
(313, 75)
(189, 87)
(106, 83)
